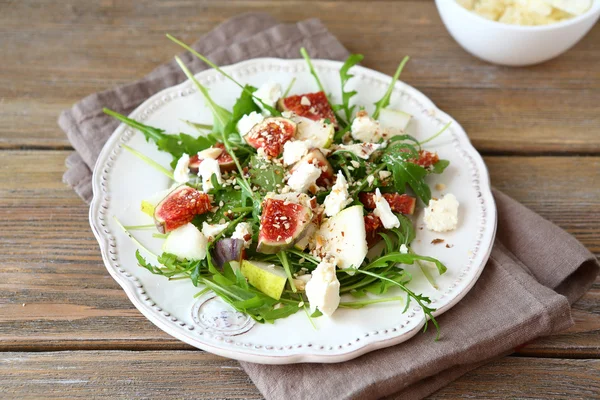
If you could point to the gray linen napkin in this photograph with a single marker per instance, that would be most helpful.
(536, 270)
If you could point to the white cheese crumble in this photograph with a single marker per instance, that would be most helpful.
(292, 197)
(337, 199)
(182, 170)
(304, 177)
(269, 93)
(206, 170)
(323, 289)
(384, 212)
(247, 122)
(384, 174)
(365, 128)
(211, 231)
(442, 215)
(186, 242)
(301, 281)
(211, 152)
(403, 249)
(294, 150)
(370, 180)
(362, 150)
(305, 101)
(243, 231)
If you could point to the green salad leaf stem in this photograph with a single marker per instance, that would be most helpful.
(345, 76)
(437, 134)
(149, 161)
(272, 110)
(385, 100)
(421, 300)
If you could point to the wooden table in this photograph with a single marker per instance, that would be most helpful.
(67, 329)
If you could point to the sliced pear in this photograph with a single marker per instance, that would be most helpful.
(344, 237)
(393, 122)
(268, 278)
(186, 242)
(318, 133)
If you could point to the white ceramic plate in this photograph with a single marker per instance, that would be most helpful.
(121, 181)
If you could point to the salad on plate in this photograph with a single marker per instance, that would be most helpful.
(290, 203)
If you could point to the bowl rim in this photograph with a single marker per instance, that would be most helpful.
(593, 10)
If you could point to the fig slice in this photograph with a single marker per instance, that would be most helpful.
(318, 159)
(271, 134)
(399, 203)
(373, 226)
(309, 105)
(225, 160)
(282, 224)
(179, 207)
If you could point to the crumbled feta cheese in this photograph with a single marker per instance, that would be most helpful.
(384, 174)
(442, 215)
(269, 93)
(182, 171)
(370, 179)
(365, 128)
(403, 249)
(292, 197)
(243, 231)
(337, 199)
(211, 152)
(294, 150)
(362, 150)
(323, 289)
(210, 231)
(247, 122)
(304, 177)
(206, 170)
(384, 212)
(301, 281)
(305, 101)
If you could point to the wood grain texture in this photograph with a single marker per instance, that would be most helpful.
(61, 52)
(195, 374)
(56, 294)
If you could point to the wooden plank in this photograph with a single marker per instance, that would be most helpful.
(60, 53)
(195, 374)
(56, 294)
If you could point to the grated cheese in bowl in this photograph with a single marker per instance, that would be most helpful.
(527, 12)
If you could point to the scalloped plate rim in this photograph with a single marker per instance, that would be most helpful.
(247, 355)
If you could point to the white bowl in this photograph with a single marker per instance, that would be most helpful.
(513, 45)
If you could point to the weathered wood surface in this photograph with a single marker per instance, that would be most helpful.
(195, 374)
(59, 52)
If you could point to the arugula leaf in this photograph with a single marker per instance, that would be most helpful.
(421, 300)
(385, 100)
(345, 76)
(244, 105)
(221, 116)
(176, 145)
(405, 172)
(267, 176)
(439, 166)
(267, 107)
(230, 197)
